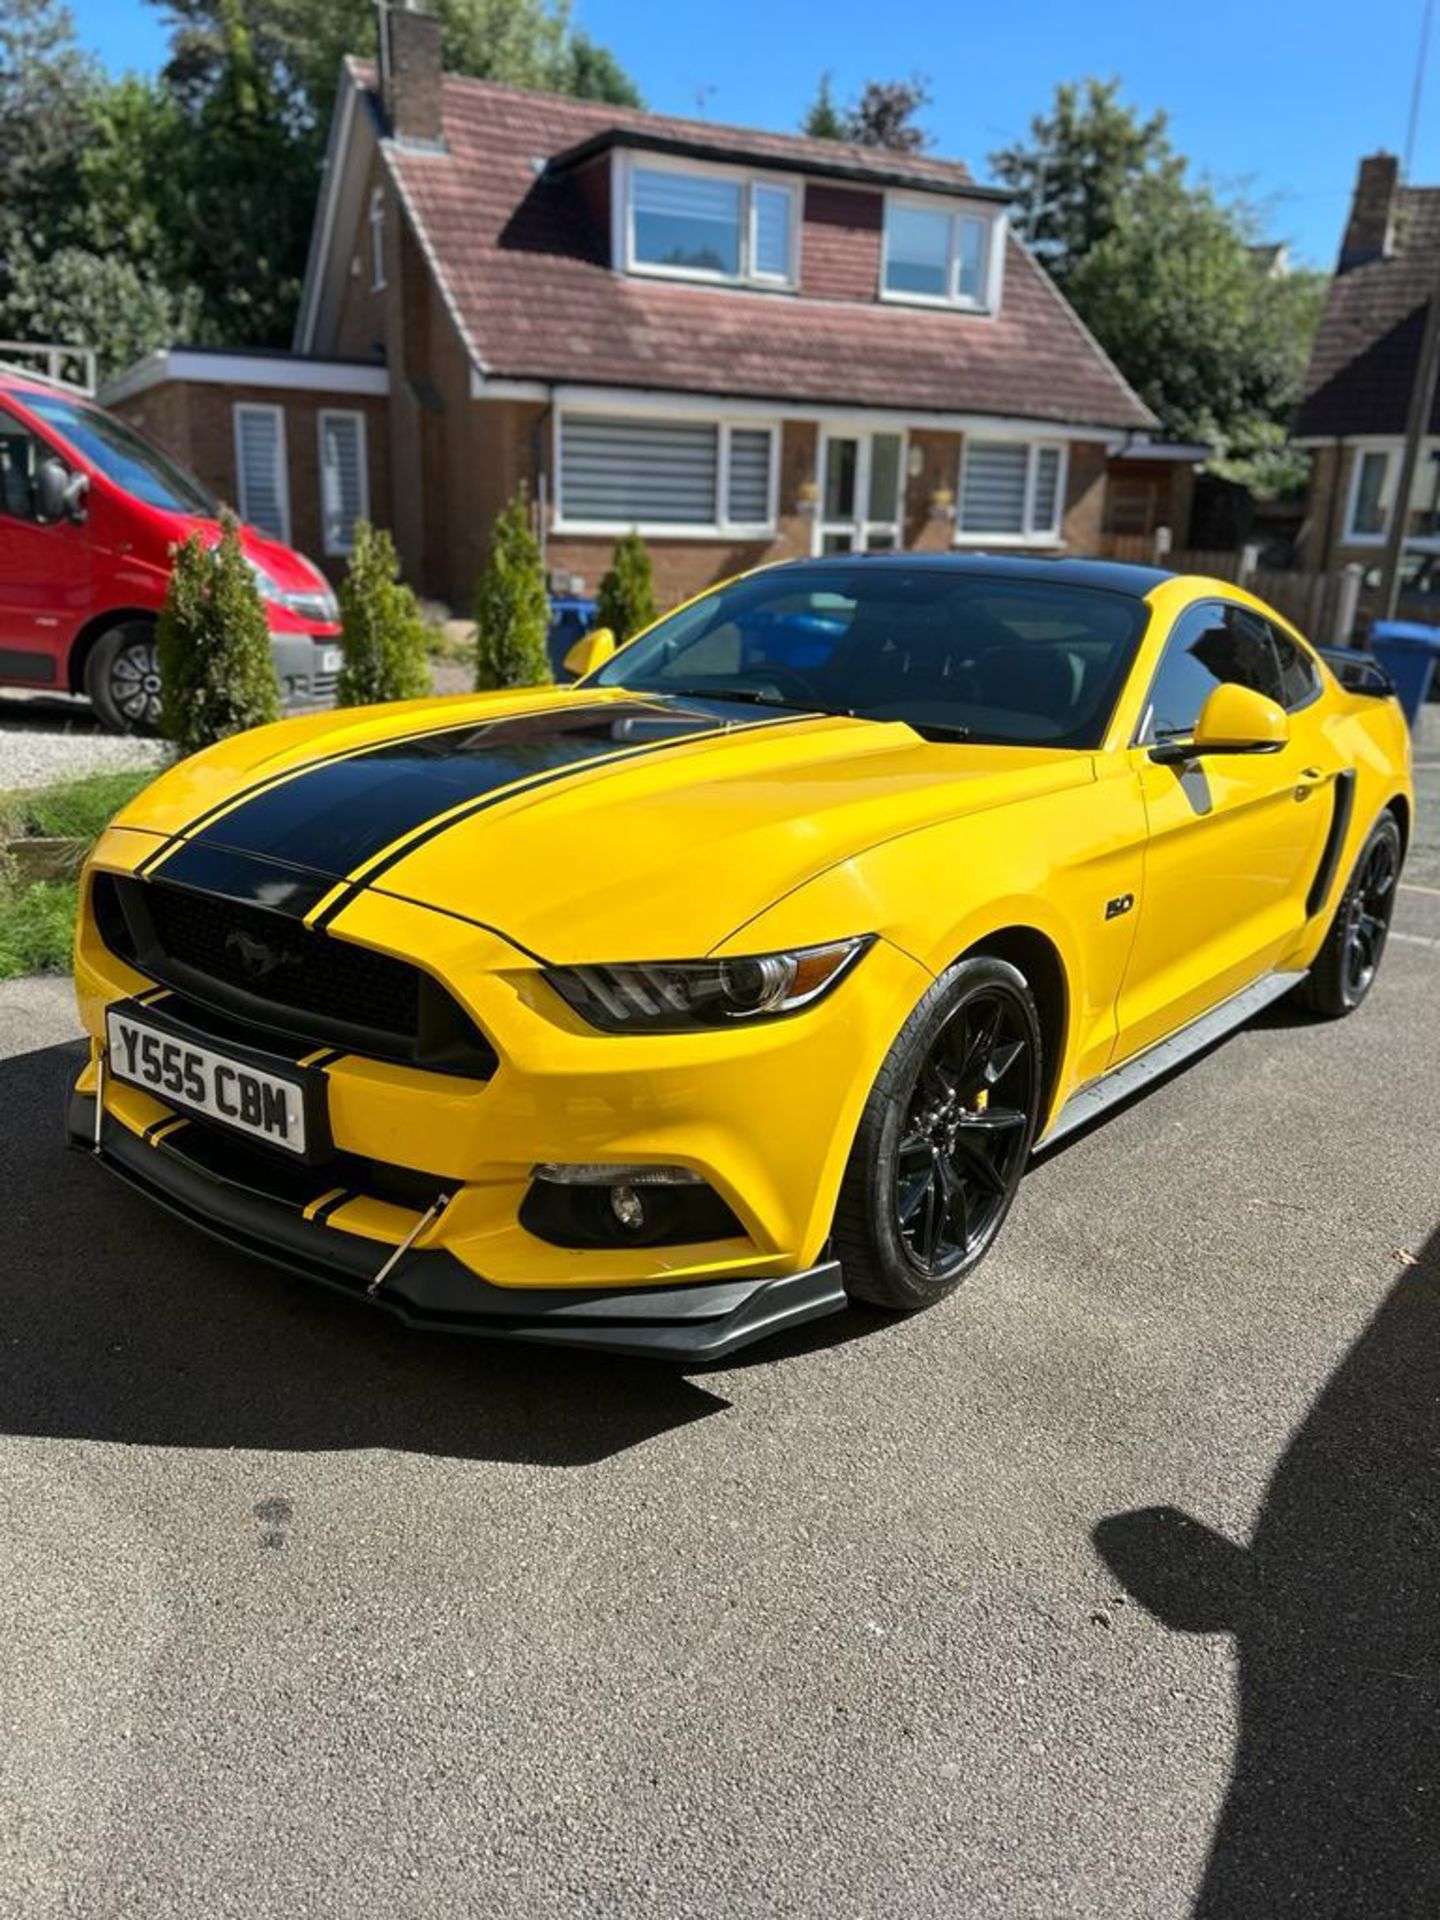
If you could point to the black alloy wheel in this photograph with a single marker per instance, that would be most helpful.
(1344, 970)
(1369, 908)
(944, 1138)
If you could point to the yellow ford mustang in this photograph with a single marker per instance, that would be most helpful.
(663, 1010)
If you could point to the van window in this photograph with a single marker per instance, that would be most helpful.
(123, 456)
(20, 457)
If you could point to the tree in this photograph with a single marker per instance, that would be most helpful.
(1076, 176)
(590, 72)
(217, 676)
(1162, 271)
(512, 609)
(1174, 294)
(883, 116)
(626, 600)
(382, 634)
(824, 121)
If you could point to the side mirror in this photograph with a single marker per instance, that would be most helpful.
(59, 493)
(52, 482)
(589, 652)
(1234, 719)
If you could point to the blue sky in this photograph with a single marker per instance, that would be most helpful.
(1278, 98)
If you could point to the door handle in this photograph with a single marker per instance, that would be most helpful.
(1308, 780)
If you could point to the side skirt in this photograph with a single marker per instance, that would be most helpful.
(1089, 1102)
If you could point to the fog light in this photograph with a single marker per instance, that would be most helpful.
(628, 1208)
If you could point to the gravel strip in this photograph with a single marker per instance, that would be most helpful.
(46, 739)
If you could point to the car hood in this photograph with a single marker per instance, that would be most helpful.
(582, 825)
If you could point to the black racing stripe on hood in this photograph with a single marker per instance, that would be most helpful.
(246, 877)
(343, 812)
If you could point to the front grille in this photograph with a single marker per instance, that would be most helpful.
(272, 974)
(312, 974)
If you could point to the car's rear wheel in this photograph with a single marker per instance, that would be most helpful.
(943, 1140)
(1345, 967)
(122, 678)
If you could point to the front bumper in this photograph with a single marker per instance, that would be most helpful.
(430, 1289)
(306, 668)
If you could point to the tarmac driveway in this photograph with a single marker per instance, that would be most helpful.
(1125, 1561)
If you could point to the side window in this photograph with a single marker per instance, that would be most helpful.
(20, 457)
(1299, 682)
(1211, 643)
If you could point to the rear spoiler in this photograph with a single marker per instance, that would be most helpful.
(1358, 672)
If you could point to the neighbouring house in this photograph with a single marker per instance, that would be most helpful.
(748, 345)
(1362, 369)
(1150, 484)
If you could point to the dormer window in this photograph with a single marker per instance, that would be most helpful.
(707, 223)
(939, 255)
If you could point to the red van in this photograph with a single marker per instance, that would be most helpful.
(89, 513)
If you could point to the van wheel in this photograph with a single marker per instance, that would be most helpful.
(943, 1140)
(122, 679)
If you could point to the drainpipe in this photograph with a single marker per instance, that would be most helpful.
(540, 477)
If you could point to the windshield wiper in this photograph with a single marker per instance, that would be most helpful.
(748, 694)
(939, 729)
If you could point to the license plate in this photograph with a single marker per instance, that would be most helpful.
(197, 1079)
(331, 659)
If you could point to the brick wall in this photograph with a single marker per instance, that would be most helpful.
(840, 242)
(195, 421)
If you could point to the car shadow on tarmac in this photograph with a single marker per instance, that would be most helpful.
(1333, 1805)
(118, 1323)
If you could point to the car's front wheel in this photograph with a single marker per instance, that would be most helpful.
(943, 1140)
(122, 678)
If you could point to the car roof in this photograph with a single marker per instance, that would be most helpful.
(1115, 576)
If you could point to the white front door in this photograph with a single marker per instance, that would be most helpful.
(861, 492)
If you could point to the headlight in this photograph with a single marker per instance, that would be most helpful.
(311, 603)
(673, 996)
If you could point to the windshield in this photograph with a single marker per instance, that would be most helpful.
(960, 655)
(122, 456)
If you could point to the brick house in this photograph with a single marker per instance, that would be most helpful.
(749, 345)
(1362, 368)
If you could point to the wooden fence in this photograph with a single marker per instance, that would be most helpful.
(1325, 606)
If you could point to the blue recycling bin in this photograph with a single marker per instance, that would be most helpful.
(571, 618)
(1407, 650)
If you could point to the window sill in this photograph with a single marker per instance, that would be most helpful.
(654, 530)
(1032, 542)
(696, 277)
(937, 303)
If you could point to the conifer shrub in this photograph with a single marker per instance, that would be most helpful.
(626, 601)
(512, 609)
(212, 642)
(382, 633)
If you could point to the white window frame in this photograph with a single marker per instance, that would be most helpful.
(992, 272)
(1031, 536)
(378, 278)
(282, 454)
(627, 165)
(861, 525)
(333, 548)
(1350, 535)
(722, 527)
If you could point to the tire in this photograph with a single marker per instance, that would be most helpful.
(943, 1139)
(1344, 970)
(122, 679)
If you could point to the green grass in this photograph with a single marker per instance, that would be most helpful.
(37, 925)
(37, 918)
(73, 810)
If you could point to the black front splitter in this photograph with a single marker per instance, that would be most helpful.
(433, 1291)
